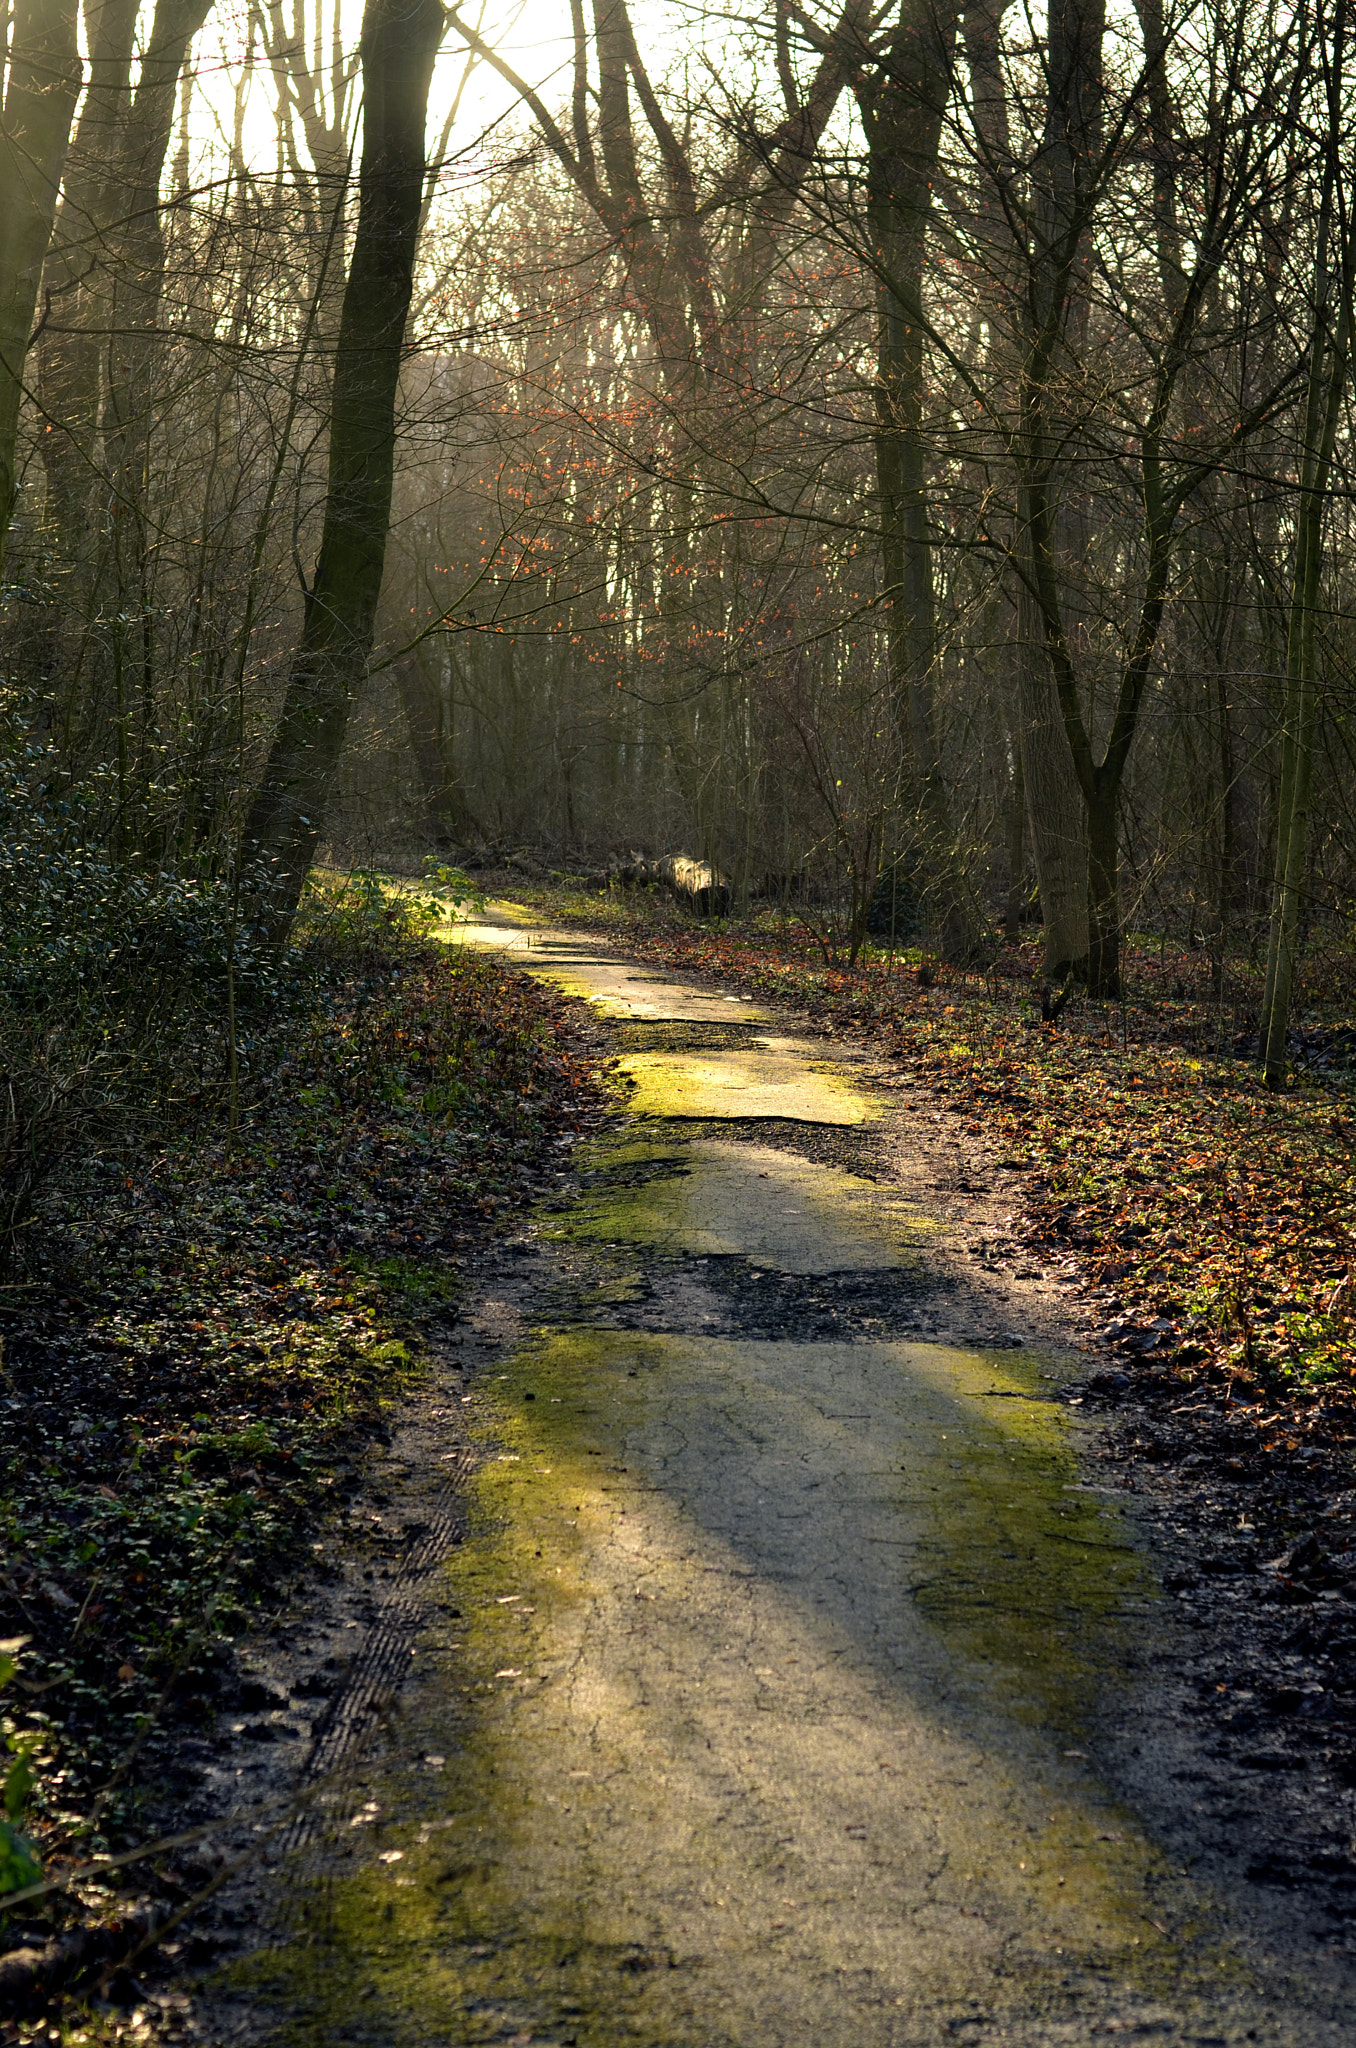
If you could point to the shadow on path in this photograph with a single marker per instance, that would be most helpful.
(762, 1702)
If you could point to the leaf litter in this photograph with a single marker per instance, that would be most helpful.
(207, 1341)
(1206, 1229)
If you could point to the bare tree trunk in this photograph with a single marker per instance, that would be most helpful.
(1329, 363)
(1049, 783)
(316, 88)
(902, 99)
(1062, 837)
(1292, 838)
(400, 41)
(1226, 833)
(431, 747)
(1016, 837)
(1054, 803)
(77, 276)
(44, 82)
(1330, 350)
(138, 254)
(135, 253)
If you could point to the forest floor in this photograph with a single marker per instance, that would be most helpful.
(1116, 1196)
(715, 1728)
(198, 1361)
(1220, 1215)
(1203, 1231)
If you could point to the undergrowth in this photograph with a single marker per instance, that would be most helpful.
(209, 1329)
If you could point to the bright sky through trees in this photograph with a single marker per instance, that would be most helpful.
(532, 36)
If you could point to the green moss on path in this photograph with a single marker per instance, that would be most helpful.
(765, 1702)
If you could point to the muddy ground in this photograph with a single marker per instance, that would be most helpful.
(1069, 1753)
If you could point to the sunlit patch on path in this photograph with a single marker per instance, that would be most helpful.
(762, 1702)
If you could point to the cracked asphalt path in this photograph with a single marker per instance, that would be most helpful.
(764, 1700)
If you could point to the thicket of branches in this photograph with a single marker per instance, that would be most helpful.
(900, 451)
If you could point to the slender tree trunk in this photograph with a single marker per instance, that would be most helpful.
(1293, 835)
(1055, 311)
(1301, 720)
(1226, 832)
(44, 82)
(137, 251)
(1285, 804)
(1330, 353)
(135, 254)
(1055, 813)
(1054, 804)
(77, 276)
(1016, 835)
(400, 41)
(1104, 887)
(430, 746)
(902, 103)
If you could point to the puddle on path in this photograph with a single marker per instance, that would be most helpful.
(761, 1706)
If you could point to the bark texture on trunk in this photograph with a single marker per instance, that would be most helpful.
(399, 43)
(1330, 354)
(902, 98)
(1055, 815)
(1016, 847)
(77, 275)
(44, 82)
(138, 263)
(1061, 822)
(1054, 804)
(431, 744)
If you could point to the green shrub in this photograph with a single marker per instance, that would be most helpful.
(114, 976)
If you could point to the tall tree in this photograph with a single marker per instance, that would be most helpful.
(902, 86)
(1060, 402)
(1049, 785)
(35, 131)
(400, 41)
(77, 278)
(1326, 387)
(1064, 181)
(138, 257)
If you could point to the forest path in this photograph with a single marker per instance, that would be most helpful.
(763, 1701)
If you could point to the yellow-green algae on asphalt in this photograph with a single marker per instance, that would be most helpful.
(755, 1712)
(708, 1197)
(758, 1713)
(617, 987)
(753, 1084)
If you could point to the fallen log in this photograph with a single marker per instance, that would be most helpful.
(695, 884)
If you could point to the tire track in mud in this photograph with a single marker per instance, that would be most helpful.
(381, 1666)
